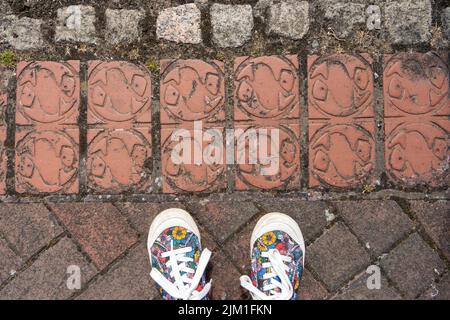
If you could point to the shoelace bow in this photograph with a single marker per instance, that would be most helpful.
(278, 268)
(183, 286)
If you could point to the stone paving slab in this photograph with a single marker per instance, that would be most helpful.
(28, 227)
(413, 265)
(100, 229)
(336, 258)
(46, 277)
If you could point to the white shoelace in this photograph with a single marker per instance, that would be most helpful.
(183, 287)
(278, 267)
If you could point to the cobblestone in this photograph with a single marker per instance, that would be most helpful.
(232, 25)
(180, 24)
(21, 33)
(123, 26)
(76, 24)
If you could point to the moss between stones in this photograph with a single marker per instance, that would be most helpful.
(7, 58)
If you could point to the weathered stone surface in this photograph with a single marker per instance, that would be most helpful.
(21, 33)
(446, 21)
(439, 290)
(4, 8)
(10, 261)
(28, 227)
(435, 217)
(122, 26)
(180, 24)
(358, 290)
(47, 277)
(129, 279)
(232, 25)
(343, 16)
(408, 21)
(336, 256)
(77, 24)
(310, 288)
(99, 228)
(379, 224)
(413, 266)
(288, 18)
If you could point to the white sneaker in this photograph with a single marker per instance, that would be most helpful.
(277, 250)
(178, 264)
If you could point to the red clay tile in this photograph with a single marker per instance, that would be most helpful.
(340, 85)
(416, 152)
(47, 161)
(119, 92)
(47, 93)
(117, 159)
(202, 169)
(192, 90)
(267, 176)
(415, 84)
(266, 88)
(341, 155)
(3, 160)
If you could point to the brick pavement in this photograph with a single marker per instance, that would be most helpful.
(38, 242)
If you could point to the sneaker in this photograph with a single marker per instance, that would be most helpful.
(176, 257)
(277, 250)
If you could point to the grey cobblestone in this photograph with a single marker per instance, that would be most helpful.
(288, 19)
(123, 26)
(408, 21)
(343, 16)
(21, 33)
(232, 25)
(77, 24)
(180, 24)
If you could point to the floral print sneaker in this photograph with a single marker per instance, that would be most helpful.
(178, 264)
(277, 251)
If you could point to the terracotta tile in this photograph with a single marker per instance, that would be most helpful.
(5, 75)
(340, 85)
(192, 90)
(118, 160)
(47, 161)
(267, 176)
(196, 172)
(266, 88)
(415, 84)
(119, 93)
(341, 155)
(416, 151)
(3, 160)
(48, 93)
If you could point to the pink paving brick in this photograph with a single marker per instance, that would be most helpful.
(193, 161)
(117, 159)
(340, 85)
(341, 120)
(192, 90)
(47, 160)
(3, 160)
(119, 94)
(255, 145)
(48, 93)
(416, 152)
(99, 228)
(341, 155)
(415, 84)
(266, 88)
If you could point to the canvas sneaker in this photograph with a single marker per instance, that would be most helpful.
(277, 251)
(176, 257)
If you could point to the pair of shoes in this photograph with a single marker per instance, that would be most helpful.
(277, 251)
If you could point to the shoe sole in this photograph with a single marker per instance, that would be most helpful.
(278, 221)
